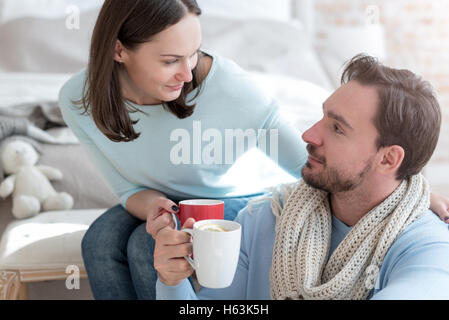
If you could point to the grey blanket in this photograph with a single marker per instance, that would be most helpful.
(38, 121)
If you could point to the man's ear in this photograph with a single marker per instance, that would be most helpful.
(119, 52)
(392, 158)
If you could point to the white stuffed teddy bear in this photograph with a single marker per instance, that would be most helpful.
(29, 184)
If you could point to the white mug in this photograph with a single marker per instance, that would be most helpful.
(215, 254)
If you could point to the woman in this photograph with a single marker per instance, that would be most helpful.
(147, 85)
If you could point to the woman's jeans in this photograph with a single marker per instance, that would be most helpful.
(118, 253)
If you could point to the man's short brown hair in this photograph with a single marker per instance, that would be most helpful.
(408, 114)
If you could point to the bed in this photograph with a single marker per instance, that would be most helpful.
(47, 41)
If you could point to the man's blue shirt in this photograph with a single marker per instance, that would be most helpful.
(415, 267)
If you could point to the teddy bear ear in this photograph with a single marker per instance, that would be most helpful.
(37, 146)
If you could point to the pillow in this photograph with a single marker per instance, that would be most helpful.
(45, 44)
(15, 9)
(256, 45)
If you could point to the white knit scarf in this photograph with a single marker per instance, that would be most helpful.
(300, 267)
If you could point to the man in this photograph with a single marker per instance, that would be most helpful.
(358, 225)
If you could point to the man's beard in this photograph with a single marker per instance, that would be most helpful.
(330, 179)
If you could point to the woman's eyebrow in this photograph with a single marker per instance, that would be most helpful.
(178, 56)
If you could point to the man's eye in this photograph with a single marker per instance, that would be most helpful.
(337, 129)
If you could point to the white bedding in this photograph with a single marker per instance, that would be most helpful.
(20, 87)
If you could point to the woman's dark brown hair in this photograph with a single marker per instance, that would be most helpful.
(133, 22)
(408, 113)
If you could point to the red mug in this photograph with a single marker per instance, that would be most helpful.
(200, 209)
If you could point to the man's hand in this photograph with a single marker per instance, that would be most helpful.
(171, 248)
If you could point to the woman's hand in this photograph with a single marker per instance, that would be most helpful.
(159, 215)
(440, 205)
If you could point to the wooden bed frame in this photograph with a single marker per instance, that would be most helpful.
(13, 283)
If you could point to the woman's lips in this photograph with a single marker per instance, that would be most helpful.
(176, 88)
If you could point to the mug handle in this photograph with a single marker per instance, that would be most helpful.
(175, 220)
(189, 231)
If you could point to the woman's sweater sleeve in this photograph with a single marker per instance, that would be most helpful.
(283, 143)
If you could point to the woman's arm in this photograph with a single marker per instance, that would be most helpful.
(149, 205)
(141, 202)
(289, 150)
(440, 205)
